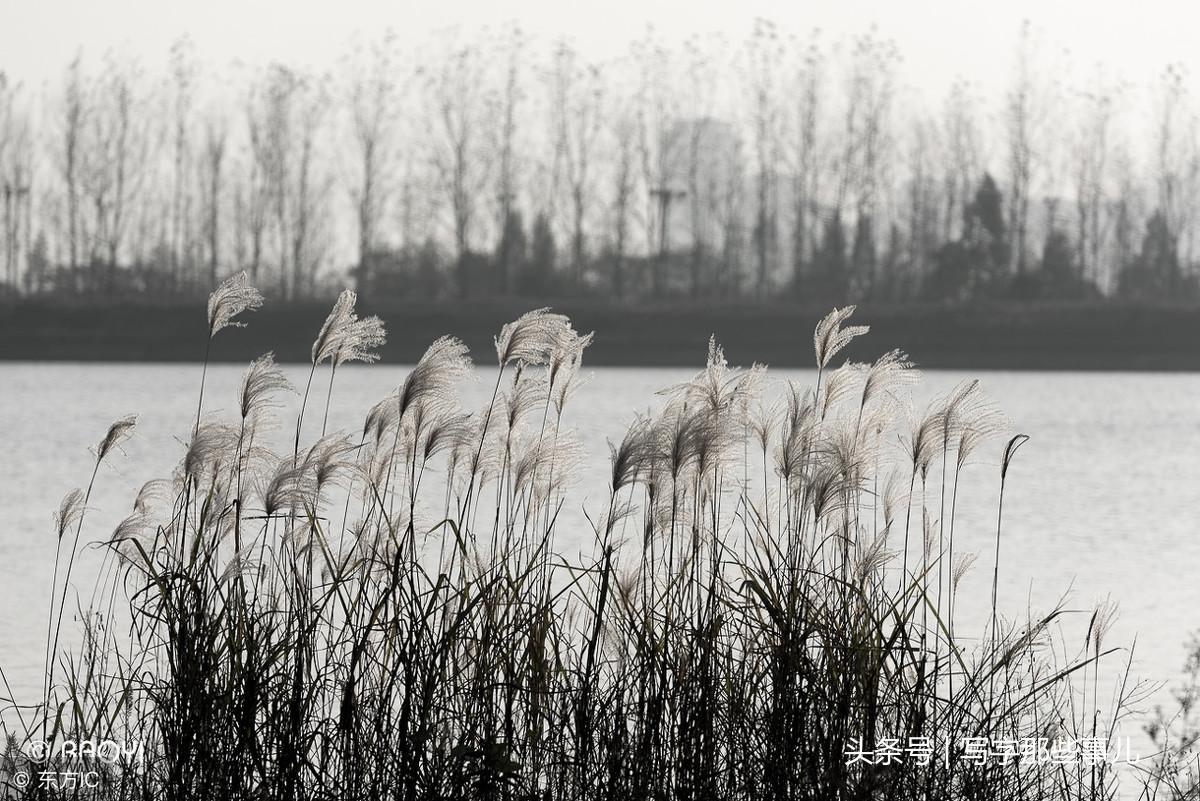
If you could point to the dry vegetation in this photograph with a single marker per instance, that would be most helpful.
(386, 615)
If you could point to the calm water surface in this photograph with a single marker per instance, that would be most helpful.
(1103, 501)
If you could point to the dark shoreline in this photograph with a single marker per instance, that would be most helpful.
(1083, 336)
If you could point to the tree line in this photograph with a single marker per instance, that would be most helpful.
(487, 163)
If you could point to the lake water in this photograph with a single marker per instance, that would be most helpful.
(1103, 501)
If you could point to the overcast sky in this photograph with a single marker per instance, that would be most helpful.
(939, 39)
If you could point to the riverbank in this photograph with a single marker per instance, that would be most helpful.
(1092, 336)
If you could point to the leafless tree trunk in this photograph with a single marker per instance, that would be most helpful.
(16, 175)
(961, 169)
(216, 135)
(577, 97)
(656, 107)
(1125, 209)
(806, 178)
(74, 117)
(624, 135)
(307, 206)
(1091, 164)
(708, 142)
(509, 100)
(256, 192)
(1021, 116)
(372, 118)
(923, 214)
(119, 147)
(1174, 148)
(184, 75)
(458, 97)
(765, 56)
(273, 134)
(731, 203)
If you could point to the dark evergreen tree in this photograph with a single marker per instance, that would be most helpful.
(830, 274)
(1057, 275)
(1155, 272)
(988, 208)
(976, 264)
(988, 236)
(538, 276)
(952, 274)
(511, 252)
(429, 277)
(863, 260)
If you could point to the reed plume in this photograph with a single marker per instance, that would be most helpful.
(432, 381)
(829, 337)
(232, 297)
(69, 511)
(726, 628)
(213, 444)
(343, 338)
(630, 460)
(262, 380)
(564, 371)
(887, 375)
(336, 327)
(117, 433)
(534, 337)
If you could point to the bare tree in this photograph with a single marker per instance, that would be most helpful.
(577, 98)
(623, 135)
(1177, 158)
(790, 168)
(254, 192)
(73, 120)
(730, 214)
(215, 145)
(865, 144)
(703, 148)
(806, 175)
(118, 145)
(372, 99)
(184, 76)
(16, 174)
(765, 61)
(657, 107)
(270, 118)
(1023, 114)
(873, 80)
(960, 133)
(457, 90)
(1092, 156)
(1126, 208)
(508, 101)
(922, 203)
(309, 187)
(287, 120)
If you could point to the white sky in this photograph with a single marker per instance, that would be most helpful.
(939, 39)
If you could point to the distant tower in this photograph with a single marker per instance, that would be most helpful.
(664, 194)
(702, 155)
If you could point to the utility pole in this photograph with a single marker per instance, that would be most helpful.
(664, 195)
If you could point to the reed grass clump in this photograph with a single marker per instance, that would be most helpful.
(770, 592)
